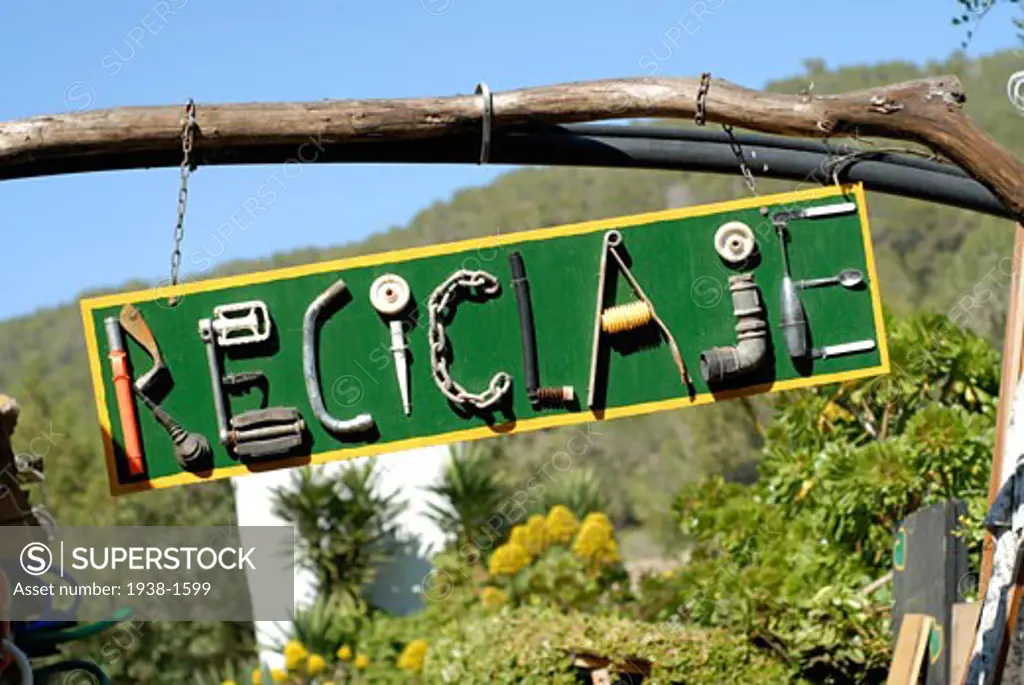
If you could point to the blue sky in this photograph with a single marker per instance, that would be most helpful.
(66, 234)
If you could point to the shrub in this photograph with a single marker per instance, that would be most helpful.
(783, 560)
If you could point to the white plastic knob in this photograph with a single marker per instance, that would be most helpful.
(389, 294)
(734, 241)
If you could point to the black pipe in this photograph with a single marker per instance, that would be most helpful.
(647, 147)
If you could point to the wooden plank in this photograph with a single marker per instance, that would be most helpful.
(928, 111)
(961, 639)
(910, 650)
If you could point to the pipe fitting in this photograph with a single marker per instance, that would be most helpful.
(362, 422)
(722, 363)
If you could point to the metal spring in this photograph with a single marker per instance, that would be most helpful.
(554, 396)
(626, 317)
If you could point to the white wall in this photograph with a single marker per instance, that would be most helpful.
(397, 586)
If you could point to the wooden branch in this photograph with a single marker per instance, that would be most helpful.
(875, 584)
(928, 111)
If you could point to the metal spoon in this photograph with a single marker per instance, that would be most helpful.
(848, 278)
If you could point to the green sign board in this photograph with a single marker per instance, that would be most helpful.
(484, 337)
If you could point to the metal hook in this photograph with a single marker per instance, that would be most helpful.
(485, 140)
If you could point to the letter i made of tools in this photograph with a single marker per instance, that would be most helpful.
(625, 317)
(269, 432)
(390, 296)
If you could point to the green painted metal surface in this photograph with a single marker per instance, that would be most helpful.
(672, 258)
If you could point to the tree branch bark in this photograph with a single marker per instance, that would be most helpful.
(926, 111)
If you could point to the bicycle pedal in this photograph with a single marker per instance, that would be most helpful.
(241, 323)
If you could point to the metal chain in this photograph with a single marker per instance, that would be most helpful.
(188, 165)
(700, 111)
(748, 175)
(439, 308)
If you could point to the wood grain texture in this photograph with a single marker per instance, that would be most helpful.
(911, 645)
(927, 111)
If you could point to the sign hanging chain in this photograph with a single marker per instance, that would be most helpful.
(700, 112)
(701, 108)
(737, 150)
(188, 165)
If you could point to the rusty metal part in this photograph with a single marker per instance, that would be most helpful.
(750, 351)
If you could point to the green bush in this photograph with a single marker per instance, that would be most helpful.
(783, 561)
(536, 645)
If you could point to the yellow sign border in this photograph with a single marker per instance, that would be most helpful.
(89, 305)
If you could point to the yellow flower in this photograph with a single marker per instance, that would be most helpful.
(493, 598)
(315, 664)
(508, 560)
(362, 661)
(536, 535)
(344, 653)
(596, 540)
(257, 677)
(610, 553)
(228, 682)
(412, 656)
(562, 524)
(294, 655)
(278, 676)
(520, 536)
(599, 518)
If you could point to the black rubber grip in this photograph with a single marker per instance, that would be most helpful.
(527, 335)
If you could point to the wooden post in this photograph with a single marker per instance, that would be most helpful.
(1003, 464)
(1013, 343)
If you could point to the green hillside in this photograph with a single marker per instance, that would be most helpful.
(929, 257)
